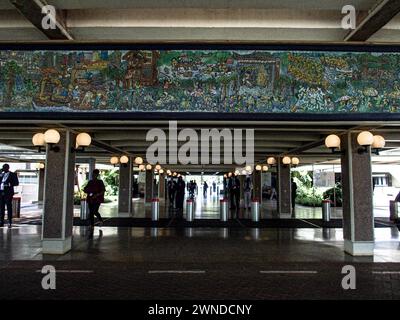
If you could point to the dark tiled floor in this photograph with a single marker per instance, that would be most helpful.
(224, 263)
(125, 263)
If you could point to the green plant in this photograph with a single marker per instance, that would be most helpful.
(307, 195)
(335, 194)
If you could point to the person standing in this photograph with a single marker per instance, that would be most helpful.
(294, 194)
(95, 190)
(205, 188)
(214, 186)
(180, 195)
(171, 192)
(234, 192)
(247, 188)
(8, 180)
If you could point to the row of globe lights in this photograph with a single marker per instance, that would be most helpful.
(51, 137)
(365, 139)
(142, 167)
(271, 161)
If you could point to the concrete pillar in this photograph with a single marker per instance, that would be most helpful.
(358, 220)
(257, 192)
(41, 175)
(284, 188)
(58, 209)
(125, 188)
(92, 166)
(161, 186)
(148, 193)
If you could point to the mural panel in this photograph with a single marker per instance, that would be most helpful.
(245, 81)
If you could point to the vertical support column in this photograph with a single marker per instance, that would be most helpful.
(257, 192)
(161, 186)
(41, 175)
(284, 188)
(92, 166)
(148, 194)
(125, 188)
(358, 219)
(58, 206)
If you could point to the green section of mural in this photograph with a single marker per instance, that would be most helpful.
(200, 81)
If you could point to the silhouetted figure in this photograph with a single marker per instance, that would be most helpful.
(247, 189)
(8, 180)
(95, 190)
(205, 188)
(234, 192)
(171, 191)
(294, 193)
(180, 194)
(214, 186)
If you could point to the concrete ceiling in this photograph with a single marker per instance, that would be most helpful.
(190, 20)
(304, 140)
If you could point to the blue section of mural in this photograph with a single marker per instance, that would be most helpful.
(244, 81)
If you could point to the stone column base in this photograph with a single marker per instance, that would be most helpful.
(359, 248)
(56, 246)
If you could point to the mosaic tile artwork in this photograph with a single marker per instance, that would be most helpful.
(250, 81)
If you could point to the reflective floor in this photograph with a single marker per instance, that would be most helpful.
(198, 263)
(205, 208)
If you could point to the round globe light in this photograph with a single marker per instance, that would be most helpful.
(148, 167)
(265, 168)
(161, 171)
(379, 142)
(332, 141)
(244, 172)
(52, 136)
(138, 160)
(158, 167)
(114, 160)
(248, 168)
(295, 161)
(237, 172)
(38, 140)
(142, 167)
(124, 159)
(286, 160)
(271, 161)
(258, 167)
(83, 140)
(365, 138)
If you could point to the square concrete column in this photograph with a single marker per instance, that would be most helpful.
(358, 219)
(125, 188)
(257, 192)
(148, 193)
(41, 175)
(92, 166)
(161, 186)
(284, 188)
(58, 205)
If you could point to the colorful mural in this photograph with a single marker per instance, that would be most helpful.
(200, 81)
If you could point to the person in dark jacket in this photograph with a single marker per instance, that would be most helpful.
(8, 180)
(180, 195)
(234, 193)
(294, 193)
(95, 190)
